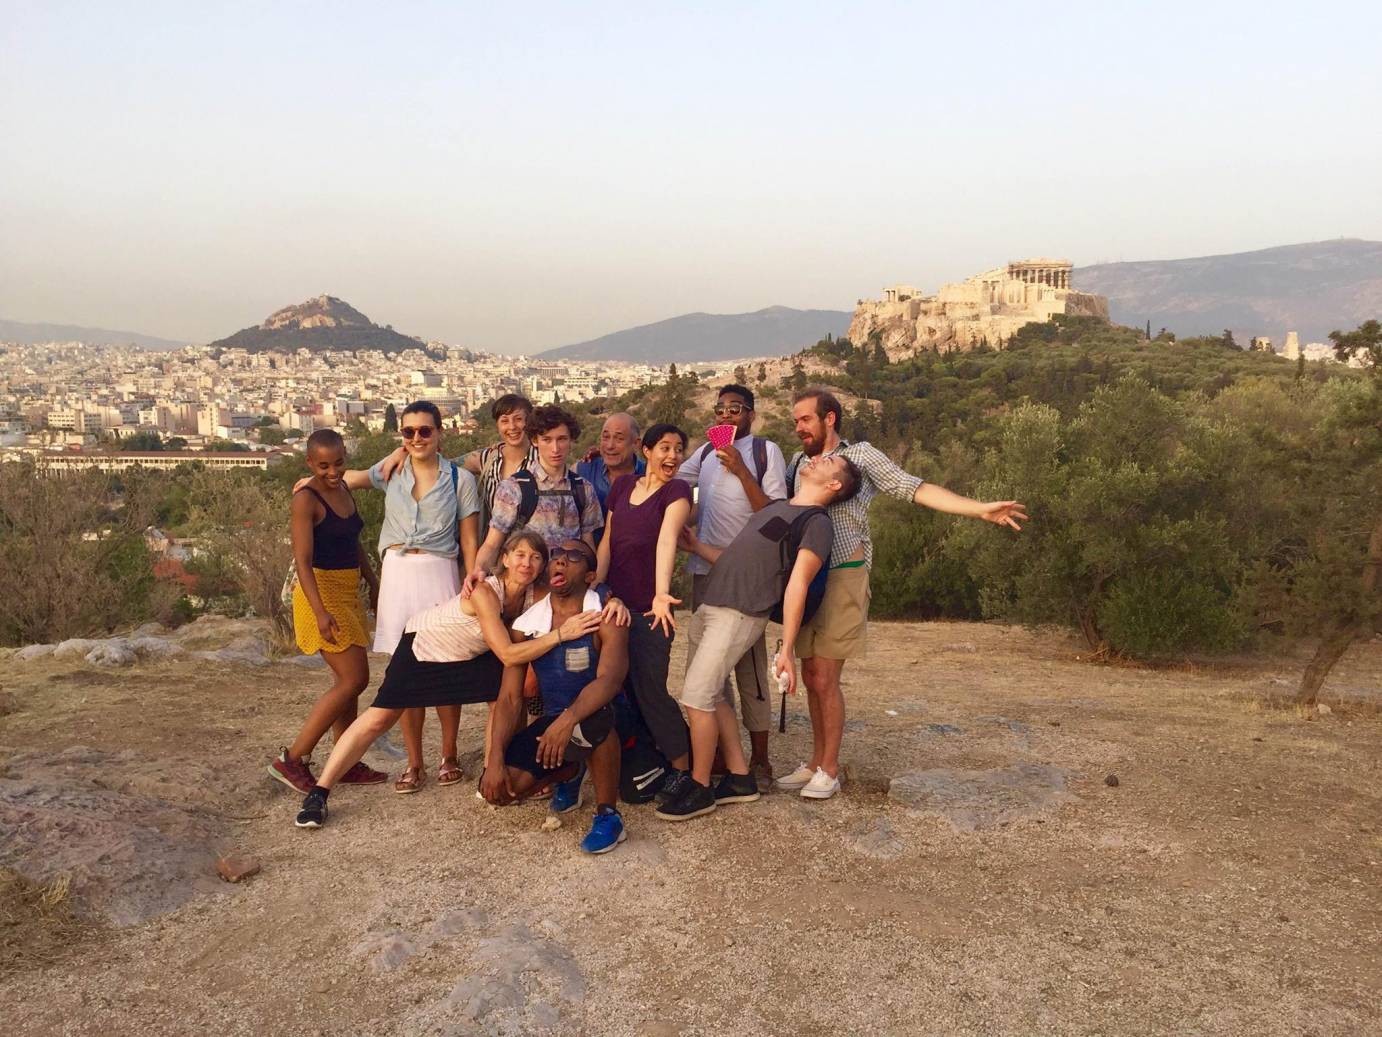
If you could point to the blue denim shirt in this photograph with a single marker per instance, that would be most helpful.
(428, 524)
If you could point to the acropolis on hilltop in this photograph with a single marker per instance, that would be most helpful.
(987, 308)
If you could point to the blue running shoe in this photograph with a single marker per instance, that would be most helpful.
(606, 832)
(566, 797)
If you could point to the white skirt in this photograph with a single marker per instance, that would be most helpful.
(409, 583)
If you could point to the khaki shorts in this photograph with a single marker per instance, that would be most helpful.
(722, 636)
(839, 629)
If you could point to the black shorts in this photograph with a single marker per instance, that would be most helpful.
(590, 732)
(410, 682)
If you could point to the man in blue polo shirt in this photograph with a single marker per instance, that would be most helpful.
(617, 455)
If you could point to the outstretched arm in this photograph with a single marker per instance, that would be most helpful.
(1001, 513)
(609, 678)
(673, 521)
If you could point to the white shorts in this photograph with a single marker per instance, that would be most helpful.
(409, 583)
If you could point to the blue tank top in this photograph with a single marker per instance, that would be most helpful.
(335, 539)
(563, 673)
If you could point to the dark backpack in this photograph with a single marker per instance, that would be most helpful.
(529, 493)
(789, 546)
(760, 459)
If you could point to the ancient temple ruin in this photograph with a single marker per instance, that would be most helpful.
(987, 308)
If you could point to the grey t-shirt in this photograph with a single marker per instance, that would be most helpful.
(751, 575)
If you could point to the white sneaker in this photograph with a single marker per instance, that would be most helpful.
(821, 785)
(797, 779)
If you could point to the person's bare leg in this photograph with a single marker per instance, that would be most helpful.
(811, 677)
(345, 718)
(450, 719)
(830, 701)
(413, 719)
(705, 735)
(604, 771)
(351, 746)
(730, 745)
(351, 670)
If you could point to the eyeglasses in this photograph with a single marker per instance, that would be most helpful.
(571, 554)
(421, 431)
(733, 410)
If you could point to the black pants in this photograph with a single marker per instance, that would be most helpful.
(650, 652)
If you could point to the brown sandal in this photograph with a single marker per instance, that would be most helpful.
(448, 772)
(410, 780)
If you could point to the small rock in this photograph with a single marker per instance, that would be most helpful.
(961, 646)
(236, 866)
(552, 823)
(890, 712)
(115, 652)
(1323, 710)
(31, 652)
(1054, 723)
(1111, 780)
(74, 648)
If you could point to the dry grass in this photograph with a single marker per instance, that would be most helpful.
(37, 922)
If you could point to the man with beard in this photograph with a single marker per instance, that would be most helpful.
(838, 630)
(577, 682)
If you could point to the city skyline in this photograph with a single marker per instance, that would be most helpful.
(514, 181)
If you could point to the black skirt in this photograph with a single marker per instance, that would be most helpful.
(409, 682)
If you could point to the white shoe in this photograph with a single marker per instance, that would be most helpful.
(821, 785)
(797, 779)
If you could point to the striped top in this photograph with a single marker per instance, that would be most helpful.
(446, 634)
(491, 475)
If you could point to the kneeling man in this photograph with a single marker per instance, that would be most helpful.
(772, 561)
(577, 680)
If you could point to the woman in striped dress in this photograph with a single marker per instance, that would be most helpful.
(512, 453)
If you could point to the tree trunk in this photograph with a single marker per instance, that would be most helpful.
(1334, 645)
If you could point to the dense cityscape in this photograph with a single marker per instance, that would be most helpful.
(79, 405)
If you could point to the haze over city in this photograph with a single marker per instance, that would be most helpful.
(515, 179)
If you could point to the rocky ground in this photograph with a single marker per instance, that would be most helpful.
(981, 874)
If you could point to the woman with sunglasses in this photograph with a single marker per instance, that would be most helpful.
(645, 515)
(430, 531)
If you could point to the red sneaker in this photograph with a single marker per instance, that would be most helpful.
(294, 773)
(360, 774)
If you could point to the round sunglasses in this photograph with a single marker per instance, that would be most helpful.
(420, 431)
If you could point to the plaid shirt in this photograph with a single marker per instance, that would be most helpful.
(851, 519)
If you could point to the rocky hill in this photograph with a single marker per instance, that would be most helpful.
(1312, 289)
(323, 323)
(775, 331)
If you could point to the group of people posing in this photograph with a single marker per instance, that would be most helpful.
(514, 578)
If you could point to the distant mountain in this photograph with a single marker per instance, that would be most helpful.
(1313, 289)
(27, 333)
(776, 331)
(323, 323)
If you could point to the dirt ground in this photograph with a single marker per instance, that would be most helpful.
(1228, 884)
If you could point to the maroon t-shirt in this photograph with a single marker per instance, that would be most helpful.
(633, 547)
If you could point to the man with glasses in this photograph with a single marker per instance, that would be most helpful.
(731, 485)
(578, 681)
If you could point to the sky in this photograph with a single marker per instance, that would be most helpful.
(519, 176)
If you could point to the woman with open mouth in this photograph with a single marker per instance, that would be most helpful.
(639, 548)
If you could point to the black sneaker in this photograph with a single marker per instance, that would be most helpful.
(736, 788)
(673, 785)
(313, 812)
(695, 800)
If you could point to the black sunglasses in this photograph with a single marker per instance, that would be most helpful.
(421, 431)
(572, 554)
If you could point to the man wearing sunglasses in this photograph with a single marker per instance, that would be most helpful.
(577, 682)
(731, 485)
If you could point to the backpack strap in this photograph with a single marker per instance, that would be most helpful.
(760, 458)
(792, 472)
(705, 451)
(527, 499)
(456, 481)
(578, 491)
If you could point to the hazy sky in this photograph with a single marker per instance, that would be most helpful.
(516, 176)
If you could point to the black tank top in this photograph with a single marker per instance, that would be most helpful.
(336, 540)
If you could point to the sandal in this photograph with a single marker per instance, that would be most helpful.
(410, 780)
(448, 772)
